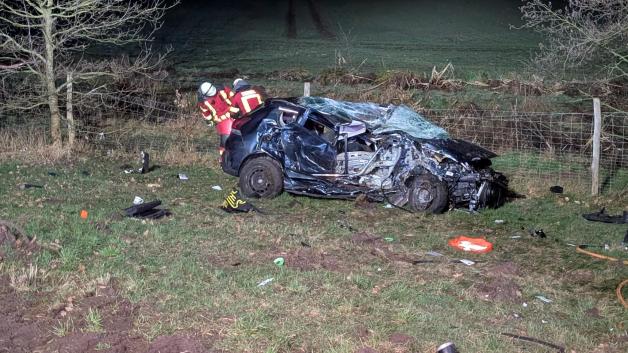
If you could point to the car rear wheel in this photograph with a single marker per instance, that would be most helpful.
(261, 177)
(428, 194)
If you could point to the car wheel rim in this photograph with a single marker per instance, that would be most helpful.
(423, 196)
(260, 181)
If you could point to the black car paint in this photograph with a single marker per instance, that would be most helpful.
(305, 155)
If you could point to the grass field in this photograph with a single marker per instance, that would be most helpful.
(342, 288)
(254, 37)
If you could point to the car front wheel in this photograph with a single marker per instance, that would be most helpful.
(261, 177)
(428, 194)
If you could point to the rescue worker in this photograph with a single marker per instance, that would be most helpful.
(217, 108)
(247, 98)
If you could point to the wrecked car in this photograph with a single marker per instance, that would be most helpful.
(326, 148)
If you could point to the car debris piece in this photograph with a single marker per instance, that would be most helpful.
(217, 188)
(604, 217)
(183, 177)
(467, 262)
(325, 148)
(537, 233)
(543, 299)
(557, 189)
(147, 210)
(280, 261)
(499, 221)
(84, 214)
(24, 186)
(448, 347)
(234, 203)
(145, 159)
(138, 200)
(265, 282)
(534, 340)
(474, 245)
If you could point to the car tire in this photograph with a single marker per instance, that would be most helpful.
(428, 194)
(261, 177)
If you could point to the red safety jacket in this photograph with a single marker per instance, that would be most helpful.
(219, 107)
(246, 101)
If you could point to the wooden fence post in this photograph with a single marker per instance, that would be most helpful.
(597, 133)
(69, 113)
(306, 89)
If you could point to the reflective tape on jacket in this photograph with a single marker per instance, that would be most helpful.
(250, 100)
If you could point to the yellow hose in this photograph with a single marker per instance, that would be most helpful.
(620, 296)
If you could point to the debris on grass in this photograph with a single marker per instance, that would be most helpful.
(537, 233)
(265, 282)
(138, 200)
(474, 245)
(389, 239)
(604, 217)
(147, 210)
(388, 206)
(434, 253)
(447, 347)
(534, 340)
(24, 186)
(499, 221)
(183, 177)
(234, 203)
(84, 214)
(280, 261)
(557, 189)
(543, 299)
(217, 188)
(467, 262)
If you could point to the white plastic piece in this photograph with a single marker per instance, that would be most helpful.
(183, 176)
(543, 299)
(265, 282)
(467, 262)
(217, 188)
(138, 200)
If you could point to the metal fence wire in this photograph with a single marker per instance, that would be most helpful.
(549, 146)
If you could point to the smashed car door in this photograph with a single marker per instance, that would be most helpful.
(307, 152)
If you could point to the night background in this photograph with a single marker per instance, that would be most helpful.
(131, 223)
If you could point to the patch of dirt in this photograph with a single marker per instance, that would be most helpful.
(362, 333)
(501, 284)
(364, 237)
(400, 338)
(499, 289)
(593, 313)
(308, 259)
(26, 325)
(6, 236)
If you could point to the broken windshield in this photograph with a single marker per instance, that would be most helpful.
(379, 119)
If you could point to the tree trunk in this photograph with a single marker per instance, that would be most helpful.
(69, 113)
(49, 77)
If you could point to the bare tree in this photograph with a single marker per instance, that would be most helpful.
(41, 41)
(583, 34)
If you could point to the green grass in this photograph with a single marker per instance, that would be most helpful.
(182, 270)
(251, 36)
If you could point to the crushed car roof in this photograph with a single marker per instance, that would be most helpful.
(379, 119)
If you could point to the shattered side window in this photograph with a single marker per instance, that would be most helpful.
(379, 119)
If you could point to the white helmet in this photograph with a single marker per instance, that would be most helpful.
(237, 80)
(207, 89)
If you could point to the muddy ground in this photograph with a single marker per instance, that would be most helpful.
(28, 323)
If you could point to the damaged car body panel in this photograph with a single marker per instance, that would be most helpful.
(325, 148)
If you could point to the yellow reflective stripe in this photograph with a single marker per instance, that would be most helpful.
(209, 106)
(234, 109)
(247, 107)
(225, 96)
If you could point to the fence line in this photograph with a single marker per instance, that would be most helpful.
(554, 146)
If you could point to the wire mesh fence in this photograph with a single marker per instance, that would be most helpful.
(549, 146)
